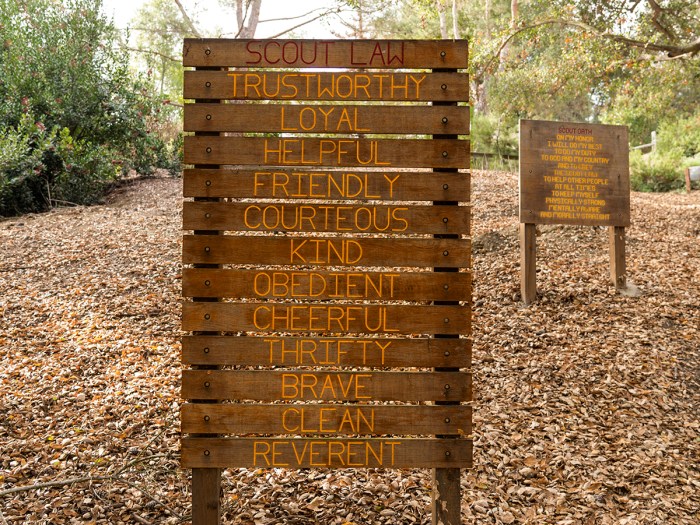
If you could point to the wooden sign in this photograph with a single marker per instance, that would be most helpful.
(327, 259)
(325, 453)
(297, 118)
(321, 351)
(573, 173)
(354, 54)
(577, 174)
(327, 184)
(345, 86)
(323, 285)
(305, 152)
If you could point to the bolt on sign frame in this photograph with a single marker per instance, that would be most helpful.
(327, 249)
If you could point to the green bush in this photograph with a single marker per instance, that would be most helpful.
(72, 115)
(656, 171)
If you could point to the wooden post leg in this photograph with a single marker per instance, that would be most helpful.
(528, 262)
(618, 266)
(446, 497)
(206, 499)
(688, 183)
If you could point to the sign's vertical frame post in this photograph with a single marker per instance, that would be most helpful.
(618, 266)
(206, 482)
(528, 262)
(446, 497)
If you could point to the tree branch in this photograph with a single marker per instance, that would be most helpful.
(188, 20)
(673, 51)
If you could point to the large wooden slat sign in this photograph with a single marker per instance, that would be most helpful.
(327, 276)
(576, 174)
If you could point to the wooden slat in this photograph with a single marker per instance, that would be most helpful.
(345, 86)
(321, 285)
(325, 318)
(297, 385)
(327, 152)
(346, 185)
(320, 452)
(324, 251)
(310, 217)
(326, 351)
(336, 119)
(338, 419)
(381, 54)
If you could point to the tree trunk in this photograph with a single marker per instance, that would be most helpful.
(442, 15)
(455, 21)
(251, 13)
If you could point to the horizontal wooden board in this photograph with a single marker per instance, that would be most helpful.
(326, 351)
(326, 318)
(320, 285)
(326, 152)
(271, 217)
(333, 419)
(326, 251)
(574, 173)
(307, 385)
(345, 86)
(377, 54)
(318, 452)
(336, 119)
(346, 185)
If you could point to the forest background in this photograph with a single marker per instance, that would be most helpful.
(83, 104)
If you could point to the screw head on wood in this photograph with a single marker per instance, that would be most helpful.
(208, 117)
(208, 150)
(207, 283)
(207, 316)
(206, 350)
(208, 183)
(206, 452)
(207, 384)
(206, 418)
(446, 253)
(444, 154)
(207, 84)
(443, 54)
(207, 249)
(447, 419)
(447, 453)
(445, 220)
(446, 286)
(443, 87)
(207, 51)
(445, 120)
(445, 186)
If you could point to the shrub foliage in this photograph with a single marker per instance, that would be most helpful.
(73, 118)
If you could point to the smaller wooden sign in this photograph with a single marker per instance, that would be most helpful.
(325, 452)
(383, 185)
(278, 350)
(574, 173)
(308, 385)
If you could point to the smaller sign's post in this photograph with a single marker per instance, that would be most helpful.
(576, 174)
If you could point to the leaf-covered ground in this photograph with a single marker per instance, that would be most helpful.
(587, 402)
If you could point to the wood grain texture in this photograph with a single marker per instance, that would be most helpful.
(326, 152)
(336, 119)
(381, 54)
(338, 218)
(326, 251)
(321, 452)
(264, 183)
(297, 385)
(326, 318)
(333, 419)
(346, 86)
(323, 285)
(323, 352)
